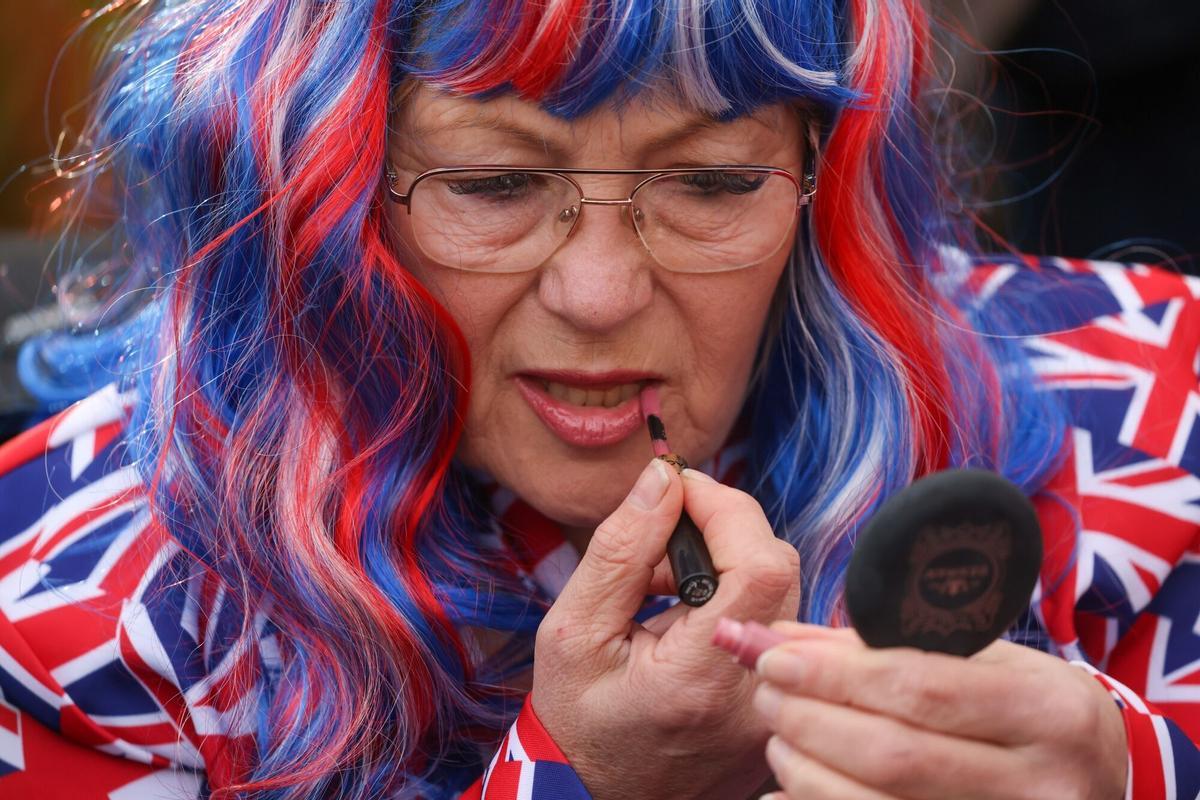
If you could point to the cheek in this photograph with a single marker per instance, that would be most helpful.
(724, 329)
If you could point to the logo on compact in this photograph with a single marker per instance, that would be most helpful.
(956, 578)
(952, 573)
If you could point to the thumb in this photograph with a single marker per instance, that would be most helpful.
(613, 577)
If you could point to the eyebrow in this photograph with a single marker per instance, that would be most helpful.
(540, 142)
(524, 135)
(663, 140)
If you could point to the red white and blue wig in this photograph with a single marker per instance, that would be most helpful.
(302, 394)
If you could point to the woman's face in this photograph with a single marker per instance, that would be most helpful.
(558, 351)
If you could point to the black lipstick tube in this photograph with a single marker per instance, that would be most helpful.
(691, 564)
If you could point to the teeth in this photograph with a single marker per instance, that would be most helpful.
(576, 396)
(599, 398)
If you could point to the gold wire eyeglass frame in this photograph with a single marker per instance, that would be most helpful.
(806, 187)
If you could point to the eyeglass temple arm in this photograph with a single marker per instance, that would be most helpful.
(389, 176)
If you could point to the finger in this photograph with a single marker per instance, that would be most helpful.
(659, 623)
(802, 778)
(886, 754)
(961, 697)
(732, 521)
(662, 581)
(758, 574)
(806, 631)
(614, 575)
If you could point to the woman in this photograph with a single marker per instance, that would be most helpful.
(370, 486)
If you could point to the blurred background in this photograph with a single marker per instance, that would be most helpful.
(1078, 123)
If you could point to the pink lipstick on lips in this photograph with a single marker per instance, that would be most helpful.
(579, 424)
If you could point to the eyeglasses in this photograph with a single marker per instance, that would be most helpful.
(512, 219)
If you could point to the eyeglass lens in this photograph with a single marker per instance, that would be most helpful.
(507, 221)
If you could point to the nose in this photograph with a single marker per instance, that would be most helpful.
(602, 275)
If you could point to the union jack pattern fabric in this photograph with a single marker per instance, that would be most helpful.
(117, 681)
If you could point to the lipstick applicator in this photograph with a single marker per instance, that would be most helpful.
(691, 564)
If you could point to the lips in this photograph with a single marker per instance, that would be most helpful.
(586, 409)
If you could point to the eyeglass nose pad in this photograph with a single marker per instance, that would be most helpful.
(568, 216)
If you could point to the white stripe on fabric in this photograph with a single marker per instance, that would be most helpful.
(515, 748)
(100, 408)
(165, 784)
(28, 682)
(83, 453)
(86, 663)
(525, 781)
(1166, 754)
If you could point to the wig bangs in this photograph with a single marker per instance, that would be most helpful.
(722, 59)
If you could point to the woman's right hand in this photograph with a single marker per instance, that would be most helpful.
(655, 710)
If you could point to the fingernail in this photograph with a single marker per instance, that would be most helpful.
(781, 666)
(697, 475)
(650, 487)
(767, 700)
(778, 753)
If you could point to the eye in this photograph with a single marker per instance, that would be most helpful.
(505, 186)
(731, 182)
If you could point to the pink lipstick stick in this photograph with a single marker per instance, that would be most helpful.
(747, 641)
(691, 564)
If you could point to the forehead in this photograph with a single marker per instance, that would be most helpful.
(651, 121)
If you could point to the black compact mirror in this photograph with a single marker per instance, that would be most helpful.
(947, 564)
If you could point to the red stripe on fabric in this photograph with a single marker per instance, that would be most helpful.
(1129, 662)
(92, 622)
(505, 780)
(26, 657)
(77, 725)
(1152, 476)
(1092, 631)
(500, 756)
(1164, 535)
(105, 435)
(56, 767)
(1055, 507)
(1146, 762)
(165, 693)
(27, 446)
(108, 505)
(90, 625)
(538, 744)
(8, 718)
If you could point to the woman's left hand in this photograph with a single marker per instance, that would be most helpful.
(857, 723)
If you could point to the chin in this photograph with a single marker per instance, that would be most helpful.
(574, 502)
